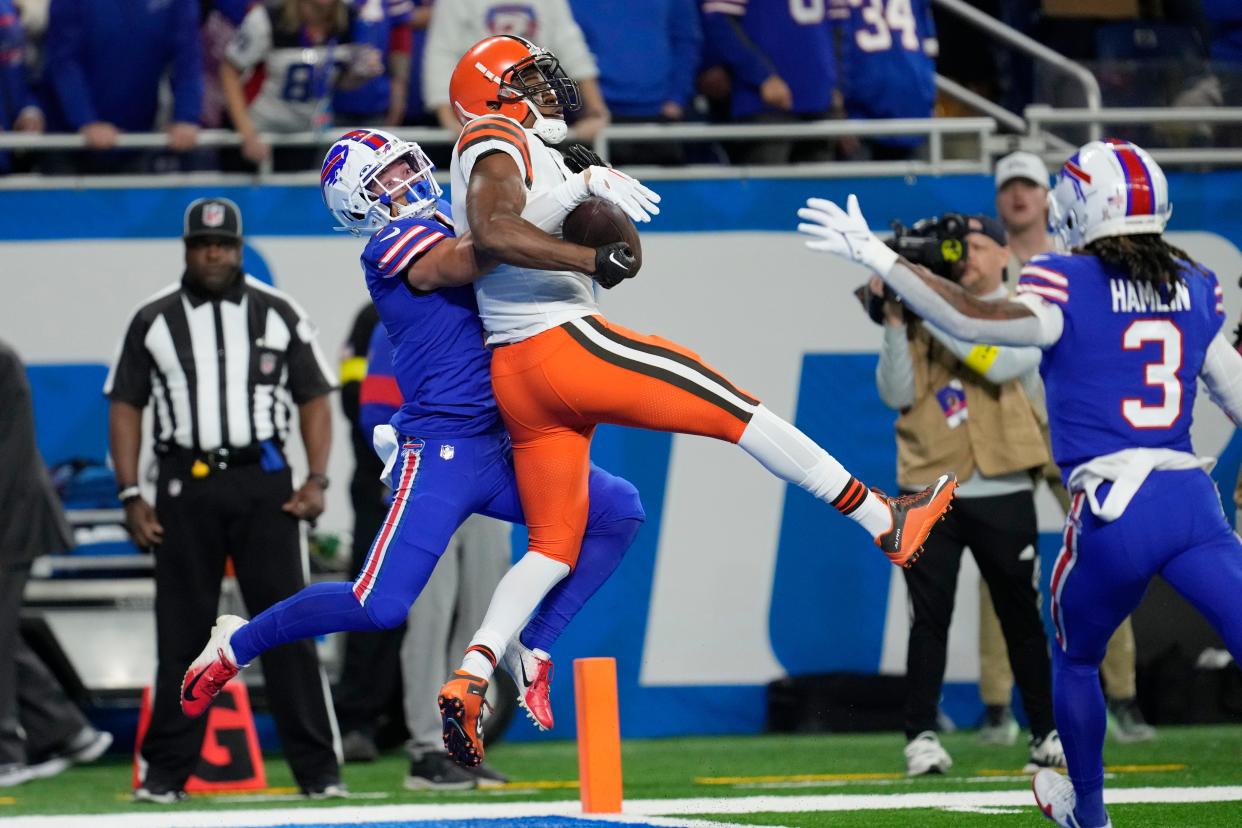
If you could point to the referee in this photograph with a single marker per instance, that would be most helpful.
(225, 359)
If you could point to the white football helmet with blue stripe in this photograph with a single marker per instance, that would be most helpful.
(360, 203)
(1108, 188)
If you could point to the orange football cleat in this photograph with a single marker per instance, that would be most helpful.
(461, 711)
(914, 517)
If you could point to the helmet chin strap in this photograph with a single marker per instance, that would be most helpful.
(551, 130)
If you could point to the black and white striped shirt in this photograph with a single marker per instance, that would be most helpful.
(223, 372)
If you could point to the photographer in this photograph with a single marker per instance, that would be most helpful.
(963, 407)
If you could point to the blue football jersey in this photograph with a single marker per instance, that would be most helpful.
(1124, 372)
(759, 38)
(888, 59)
(441, 365)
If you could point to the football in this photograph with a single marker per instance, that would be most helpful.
(597, 222)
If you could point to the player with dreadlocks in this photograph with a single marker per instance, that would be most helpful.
(1128, 324)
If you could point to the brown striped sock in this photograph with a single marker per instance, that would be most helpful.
(484, 651)
(851, 497)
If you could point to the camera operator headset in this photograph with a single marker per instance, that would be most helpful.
(964, 407)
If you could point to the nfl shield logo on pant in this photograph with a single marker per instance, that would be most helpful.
(446, 452)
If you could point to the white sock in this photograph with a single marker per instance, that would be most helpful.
(792, 456)
(515, 598)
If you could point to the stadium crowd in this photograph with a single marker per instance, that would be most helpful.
(264, 67)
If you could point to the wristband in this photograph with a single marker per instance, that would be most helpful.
(128, 493)
(320, 480)
(981, 357)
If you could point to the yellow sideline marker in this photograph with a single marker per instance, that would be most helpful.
(599, 735)
(1172, 768)
(798, 777)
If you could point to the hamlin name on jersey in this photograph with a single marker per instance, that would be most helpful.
(1129, 297)
(516, 303)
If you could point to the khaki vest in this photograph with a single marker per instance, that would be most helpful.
(1001, 433)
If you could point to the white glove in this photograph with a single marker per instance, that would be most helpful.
(845, 234)
(638, 202)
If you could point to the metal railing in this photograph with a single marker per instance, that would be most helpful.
(979, 142)
(936, 130)
(1032, 47)
(1039, 117)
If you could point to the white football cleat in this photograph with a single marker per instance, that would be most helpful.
(1054, 794)
(532, 672)
(1055, 797)
(212, 669)
(925, 755)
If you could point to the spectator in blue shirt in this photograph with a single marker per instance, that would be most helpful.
(19, 110)
(105, 62)
(888, 66)
(647, 52)
(416, 112)
(386, 26)
(781, 59)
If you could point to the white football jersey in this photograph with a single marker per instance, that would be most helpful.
(515, 303)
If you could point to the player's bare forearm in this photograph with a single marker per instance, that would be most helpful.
(450, 263)
(125, 438)
(964, 302)
(495, 201)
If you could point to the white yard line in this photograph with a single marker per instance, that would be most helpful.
(635, 810)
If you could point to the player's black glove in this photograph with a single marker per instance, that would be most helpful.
(578, 157)
(614, 263)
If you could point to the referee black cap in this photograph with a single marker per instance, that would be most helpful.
(214, 217)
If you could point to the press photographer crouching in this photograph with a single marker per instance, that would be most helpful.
(964, 408)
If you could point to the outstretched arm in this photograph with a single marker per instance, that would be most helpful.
(1222, 373)
(1025, 321)
(948, 306)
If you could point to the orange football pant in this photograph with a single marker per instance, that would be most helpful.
(555, 387)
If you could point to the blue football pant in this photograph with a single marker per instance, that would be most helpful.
(1175, 528)
(438, 483)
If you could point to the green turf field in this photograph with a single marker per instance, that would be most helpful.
(727, 767)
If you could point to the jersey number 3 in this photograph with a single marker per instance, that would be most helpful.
(1160, 374)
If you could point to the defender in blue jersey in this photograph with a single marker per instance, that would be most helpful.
(447, 453)
(1128, 324)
